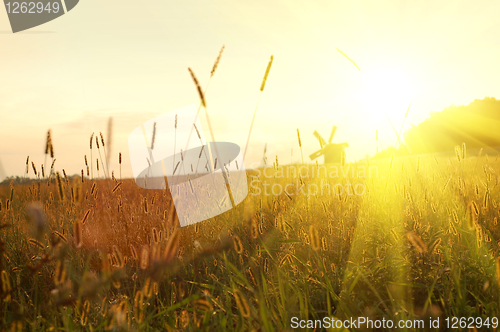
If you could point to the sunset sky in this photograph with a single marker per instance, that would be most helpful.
(128, 60)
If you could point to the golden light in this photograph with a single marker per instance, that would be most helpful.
(386, 91)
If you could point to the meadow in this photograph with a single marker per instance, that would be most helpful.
(420, 242)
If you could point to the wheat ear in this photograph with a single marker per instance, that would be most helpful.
(262, 86)
(213, 138)
(214, 68)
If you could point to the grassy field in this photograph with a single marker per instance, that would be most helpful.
(420, 240)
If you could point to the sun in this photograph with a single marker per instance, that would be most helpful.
(386, 92)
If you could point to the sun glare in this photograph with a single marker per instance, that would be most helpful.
(386, 92)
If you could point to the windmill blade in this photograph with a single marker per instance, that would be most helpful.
(320, 139)
(344, 145)
(399, 141)
(334, 129)
(352, 61)
(316, 154)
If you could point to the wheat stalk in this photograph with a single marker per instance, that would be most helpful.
(47, 145)
(110, 142)
(133, 252)
(198, 87)
(262, 86)
(120, 162)
(214, 68)
(34, 168)
(315, 242)
(226, 180)
(238, 246)
(153, 138)
(268, 69)
(175, 142)
(241, 303)
(172, 246)
(144, 257)
(300, 145)
(27, 165)
(216, 64)
(91, 165)
(104, 164)
(60, 186)
(139, 306)
(78, 234)
(51, 150)
(458, 152)
(417, 242)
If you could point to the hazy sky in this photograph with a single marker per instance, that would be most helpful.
(129, 60)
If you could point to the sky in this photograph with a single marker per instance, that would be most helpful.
(128, 60)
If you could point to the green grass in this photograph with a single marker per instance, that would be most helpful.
(365, 264)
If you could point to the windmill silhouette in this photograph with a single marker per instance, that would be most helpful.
(331, 152)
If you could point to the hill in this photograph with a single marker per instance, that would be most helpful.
(477, 125)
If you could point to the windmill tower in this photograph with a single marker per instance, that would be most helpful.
(332, 152)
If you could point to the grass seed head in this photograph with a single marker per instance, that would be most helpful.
(78, 234)
(417, 242)
(86, 216)
(34, 168)
(198, 87)
(60, 186)
(37, 216)
(116, 187)
(216, 64)
(172, 246)
(51, 150)
(315, 242)
(153, 137)
(238, 246)
(138, 306)
(458, 152)
(145, 257)
(241, 303)
(48, 142)
(268, 69)
(102, 139)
